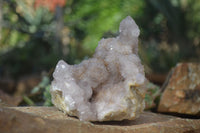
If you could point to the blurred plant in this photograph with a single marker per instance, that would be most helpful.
(50, 4)
(41, 90)
(179, 16)
(165, 22)
(192, 10)
(159, 56)
(44, 87)
(37, 33)
(152, 96)
(166, 39)
(30, 35)
(91, 20)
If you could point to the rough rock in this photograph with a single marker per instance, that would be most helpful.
(156, 78)
(26, 83)
(50, 120)
(7, 85)
(7, 100)
(182, 90)
(109, 86)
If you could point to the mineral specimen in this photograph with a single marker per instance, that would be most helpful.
(182, 90)
(108, 86)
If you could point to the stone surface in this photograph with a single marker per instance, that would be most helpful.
(156, 78)
(182, 90)
(7, 85)
(109, 86)
(26, 83)
(7, 100)
(50, 120)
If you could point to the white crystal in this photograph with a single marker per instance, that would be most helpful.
(105, 87)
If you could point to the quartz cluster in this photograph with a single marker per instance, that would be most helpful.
(108, 86)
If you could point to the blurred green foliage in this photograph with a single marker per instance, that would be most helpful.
(152, 95)
(44, 87)
(93, 19)
(34, 39)
(40, 94)
(27, 43)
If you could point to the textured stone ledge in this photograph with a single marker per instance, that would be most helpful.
(50, 120)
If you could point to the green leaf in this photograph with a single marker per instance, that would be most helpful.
(28, 101)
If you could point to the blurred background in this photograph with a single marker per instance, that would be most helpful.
(35, 34)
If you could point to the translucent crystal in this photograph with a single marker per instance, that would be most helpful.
(108, 86)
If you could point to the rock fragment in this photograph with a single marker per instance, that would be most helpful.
(182, 91)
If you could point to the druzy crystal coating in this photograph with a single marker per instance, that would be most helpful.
(108, 86)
